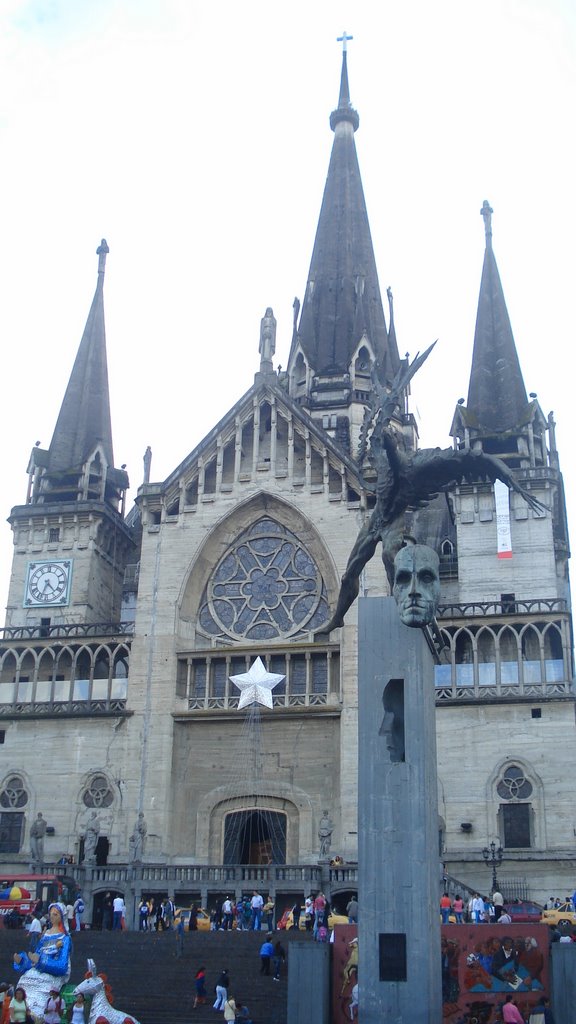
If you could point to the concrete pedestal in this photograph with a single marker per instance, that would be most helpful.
(399, 918)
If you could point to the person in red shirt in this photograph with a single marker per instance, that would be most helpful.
(458, 908)
(445, 907)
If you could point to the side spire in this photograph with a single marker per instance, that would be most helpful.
(79, 465)
(497, 398)
(84, 419)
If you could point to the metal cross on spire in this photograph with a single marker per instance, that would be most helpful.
(344, 38)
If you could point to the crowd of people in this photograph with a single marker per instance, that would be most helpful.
(478, 909)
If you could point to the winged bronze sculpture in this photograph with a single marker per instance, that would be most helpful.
(406, 480)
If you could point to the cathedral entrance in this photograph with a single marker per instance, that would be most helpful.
(255, 837)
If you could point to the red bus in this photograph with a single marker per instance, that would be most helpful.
(21, 895)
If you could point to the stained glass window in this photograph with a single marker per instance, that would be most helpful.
(267, 585)
(514, 785)
(13, 793)
(98, 793)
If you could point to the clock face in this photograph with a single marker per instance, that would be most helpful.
(48, 583)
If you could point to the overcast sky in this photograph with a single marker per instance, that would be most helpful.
(194, 137)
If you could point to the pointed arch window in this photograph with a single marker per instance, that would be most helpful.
(13, 794)
(531, 664)
(13, 798)
(362, 370)
(508, 647)
(464, 659)
(553, 654)
(486, 647)
(515, 813)
(298, 382)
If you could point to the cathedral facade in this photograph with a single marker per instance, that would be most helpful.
(124, 628)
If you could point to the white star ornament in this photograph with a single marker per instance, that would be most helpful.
(256, 685)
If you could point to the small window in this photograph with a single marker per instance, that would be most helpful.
(508, 603)
(516, 821)
(11, 829)
(13, 793)
(45, 627)
(2, 735)
(98, 793)
(54, 534)
(536, 712)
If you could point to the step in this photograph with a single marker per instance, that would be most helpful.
(152, 984)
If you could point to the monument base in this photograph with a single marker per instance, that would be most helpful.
(398, 856)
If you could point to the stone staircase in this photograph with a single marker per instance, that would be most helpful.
(151, 983)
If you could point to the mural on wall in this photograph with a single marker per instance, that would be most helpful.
(344, 973)
(481, 964)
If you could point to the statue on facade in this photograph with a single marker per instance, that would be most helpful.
(91, 835)
(406, 480)
(137, 840)
(37, 833)
(267, 345)
(325, 831)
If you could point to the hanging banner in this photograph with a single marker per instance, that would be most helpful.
(503, 533)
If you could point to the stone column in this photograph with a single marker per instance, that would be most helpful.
(399, 917)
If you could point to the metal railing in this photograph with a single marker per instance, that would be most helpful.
(481, 609)
(67, 629)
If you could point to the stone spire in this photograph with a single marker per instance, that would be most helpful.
(84, 419)
(497, 400)
(342, 302)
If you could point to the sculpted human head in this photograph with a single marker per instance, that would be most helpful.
(416, 584)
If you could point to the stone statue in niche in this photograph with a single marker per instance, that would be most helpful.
(392, 727)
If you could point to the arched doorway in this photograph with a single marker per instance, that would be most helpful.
(255, 837)
(102, 908)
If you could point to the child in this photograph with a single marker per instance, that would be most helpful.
(200, 986)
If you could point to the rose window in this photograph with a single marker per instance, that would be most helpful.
(266, 586)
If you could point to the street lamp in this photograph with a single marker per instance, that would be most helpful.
(494, 857)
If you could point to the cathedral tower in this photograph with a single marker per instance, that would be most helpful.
(504, 693)
(70, 541)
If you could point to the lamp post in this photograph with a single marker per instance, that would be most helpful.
(493, 856)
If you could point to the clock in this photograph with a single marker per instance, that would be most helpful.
(48, 584)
